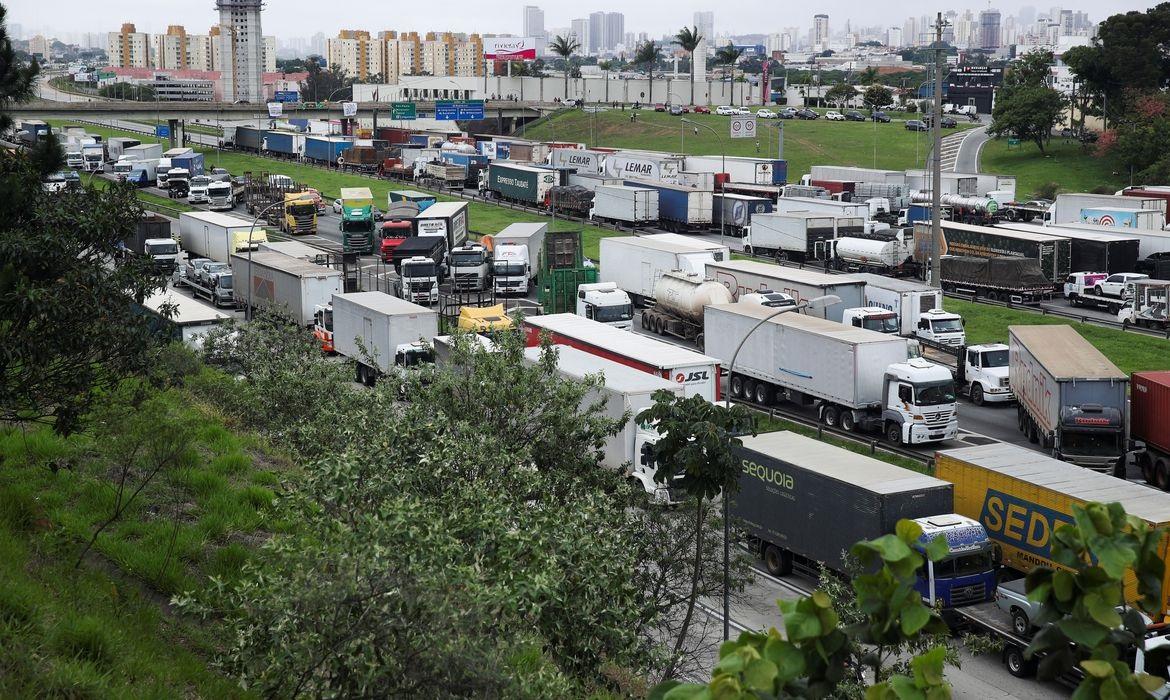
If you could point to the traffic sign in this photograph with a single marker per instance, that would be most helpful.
(459, 109)
(275, 109)
(743, 127)
(286, 96)
(403, 110)
(162, 131)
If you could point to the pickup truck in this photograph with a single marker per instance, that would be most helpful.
(1011, 598)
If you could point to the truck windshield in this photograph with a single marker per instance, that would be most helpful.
(466, 258)
(200, 181)
(964, 565)
(995, 358)
(122, 167)
(218, 188)
(414, 357)
(950, 325)
(302, 209)
(934, 394)
(887, 324)
(426, 269)
(503, 268)
(224, 282)
(162, 249)
(617, 312)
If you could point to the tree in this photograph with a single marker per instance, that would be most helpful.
(688, 38)
(1141, 143)
(877, 96)
(565, 47)
(1027, 107)
(867, 76)
(840, 93)
(649, 54)
(17, 81)
(729, 56)
(696, 446)
(324, 84)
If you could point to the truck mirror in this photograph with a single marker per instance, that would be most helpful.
(589, 311)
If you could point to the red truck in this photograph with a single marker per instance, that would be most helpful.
(1149, 425)
(393, 233)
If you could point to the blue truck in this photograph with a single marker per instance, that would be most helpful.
(193, 162)
(680, 208)
(326, 149)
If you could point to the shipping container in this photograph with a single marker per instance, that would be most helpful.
(285, 143)
(1149, 425)
(629, 205)
(800, 236)
(659, 167)
(584, 161)
(1068, 206)
(326, 149)
(747, 276)
(249, 138)
(448, 219)
(1022, 496)
(679, 208)
(1053, 253)
(734, 212)
(520, 183)
(756, 171)
(1092, 251)
(289, 285)
(635, 263)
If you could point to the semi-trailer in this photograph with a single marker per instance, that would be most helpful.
(584, 161)
(804, 503)
(152, 240)
(1071, 398)
(293, 286)
(624, 204)
(1149, 426)
(519, 183)
(635, 263)
(697, 374)
(216, 236)
(1149, 242)
(734, 212)
(855, 379)
(680, 208)
(888, 251)
(1068, 207)
(116, 147)
(288, 144)
(1017, 280)
(758, 171)
(625, 393)
(679, 298)
(747, 276)
(836, 172)
(247, 138)
(919, 308)
(142, 151)
(799, 236)
(1150, 193)
(657, 167)
(1142, 219)
(379, 332)
(326, 149)
(192, 162)
(1092, 251)
(517, 256)
(1053, 253)
(446, 219)
(828, 207)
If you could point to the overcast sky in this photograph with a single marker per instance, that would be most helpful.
(288, 18)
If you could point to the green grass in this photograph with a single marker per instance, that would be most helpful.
(1129, 351)
(150, 200)
(806, 143)
(1065, 162)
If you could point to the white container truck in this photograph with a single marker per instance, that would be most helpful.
(1067, 207)
(624, 204)
(605, 303)
(277, 281)
(850, 174)
(748, 276)
(143, 151)
(394, 332)
(117, 146)
(585, 161)
(828, 207)
(635, 263)
(207, 234)
(644, 164)
(517, 256)
(856, 379)
(756, 171)
(626, 392)
(697, 374)
(800, 235)
(919, 308)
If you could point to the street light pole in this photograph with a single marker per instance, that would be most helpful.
(936, 199)
(262, 212)
(723, 145)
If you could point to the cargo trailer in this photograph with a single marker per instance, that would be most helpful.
(679, 208)
(216, 236)
(698, 374)
(249, 138)
(747, 276)
(1022, 496)
(143, 151)
(1017, 280)
(1072, 399)
(584, 161)
(635, 263)
(855, 379)
(732, 212)
(326, 149)
(117, 147)
(378, 332)
(624, 204)
(798, 236)
(192, 162)
(657, 167)
(1092, 251)
(1149, 426)
(447, 219)
(285, 143)
(520, 183)
(1149, 242)
(961, 184)
(912, 301)
(1068, 206)
(1144, 219)
(1147, 194)
(592, 182)
(293, 286)
(804, 503)
(835, 172)
(756, 171)
(827, 207)
(1053, 253)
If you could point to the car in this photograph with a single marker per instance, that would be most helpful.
(659, 107)
(766, 114)
(916, 125)
(1117, 285)
(788, 113)
(210, 269)
(854, 116)
(678, 110)
(1149, 264)
(834, 116)
(1012, 598)
(701, 109)
(337, 206)
(193, 266)
(947, 122)
(219, 175)
(806, 113)
(880, 116)
(726, 111)
(743, 111)
(1077, 282)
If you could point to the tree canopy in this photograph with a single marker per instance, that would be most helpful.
(1027, 107)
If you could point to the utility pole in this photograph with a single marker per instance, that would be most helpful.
(936, 239)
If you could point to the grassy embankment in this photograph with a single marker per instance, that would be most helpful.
(1066, 162)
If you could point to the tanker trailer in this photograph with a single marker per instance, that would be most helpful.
(891, 254)
(679, 298)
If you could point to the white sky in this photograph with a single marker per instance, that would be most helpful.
(289, 18)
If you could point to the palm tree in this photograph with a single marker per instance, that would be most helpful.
(565, 47)
(688, 38)
(729, 56)
(867, 76)
(649, 53)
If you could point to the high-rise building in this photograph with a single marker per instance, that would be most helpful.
(169, 51)
(533, 21)
(989, 34)
(128, 47)
(820, 32)
(39, 46)
(705, 23)
(357, 53)
(200, 54)
(910, 32)
(615, 30)
(579, 28)
(596, 32)
(894, 37)
(242, 49)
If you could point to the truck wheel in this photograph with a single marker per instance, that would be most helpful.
(360, 373)
(776, 561)
(1033, 434)
(1121, 467)
(848, 424)
(749, 389)
(977, 394)
(1021, 625)
(894, 433)
(1017, 665)
(831, 417)
(700, 341)
(736, 383)
(763, 394)
(1161, 475)
(645, 323)
(1147, 466)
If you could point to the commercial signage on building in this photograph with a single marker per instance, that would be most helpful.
(510, 48)
(459, 109)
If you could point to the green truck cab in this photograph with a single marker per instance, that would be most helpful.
(357, 220)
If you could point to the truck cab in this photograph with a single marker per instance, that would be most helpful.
(871, 318)
(920, 403)
(94, 157)
(645, 466)
(323, 326)
(469, 267)
(418, 280)
(984, 371)
(198, 192)
(221, 289)
(357, 220)
(300, 214)
(511, 268)
(942, 327)
(178, 183)
(393, 234)
(163, 252)
(124, 166)
(73, 157)
(220, 196)
(967, 575)
(160, 172)
(605, 303)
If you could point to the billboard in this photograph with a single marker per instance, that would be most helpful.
(510, 48)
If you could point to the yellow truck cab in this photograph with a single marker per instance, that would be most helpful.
(300, 213)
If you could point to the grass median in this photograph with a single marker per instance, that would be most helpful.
(1072, 166)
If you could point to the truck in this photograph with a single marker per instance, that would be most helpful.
(1009, 279)
(246, 138)
(680, 208)
(887, 251)
(190, 320)
(1149, 434)
(1022, 496)
(326, 149)
(216, 236)
(191, 161)
(697, 373)
(634, 263)
(1148, 219)
(420, 199)
(585, 161)
(733, 212)
(469, 265)
(1147, 305)
(919, 308)
(221, 195)
(379, 332)
(798, 236)
(517, 253)
(804, 502)
(178, 183)
(420, 265)
(285, 144)
(605, 303)
(166, 162)
(679, 298)
(93, 157)
(1092, 251)
(143, 151)
(828, 207)
(658, 167)
(623, 204)
(836, 172)
(570, 200)
(140, 173)
(1149, 193)
(393, 232)
(357, 220)
(981, 371)
(299, 215)
(519, 183)
(152, 239)
(1071, 398)
(1052, 253)
(853, 378)
(443, 174)
(626, 392)
(749, 276)
(1068, 207)
(291, 285)
(758, 171)
(447, 219)
(116, 147)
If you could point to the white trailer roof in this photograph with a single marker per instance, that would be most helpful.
(637, 347)
(618, 377)
(1038, 237)
(381, 302)
(793, 274)
(287, 264)
(218, 219)
(648, 242)
(188, 311)
(893, 283)
(1078, 234)
(846, 334)
(692, 241)
(843, 465)
(441, 209)
(294, 249)
(1064, 353)
(521, 230)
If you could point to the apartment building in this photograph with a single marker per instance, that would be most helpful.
(129, 48)
(357, 53)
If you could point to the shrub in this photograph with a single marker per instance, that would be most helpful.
(1048, 190)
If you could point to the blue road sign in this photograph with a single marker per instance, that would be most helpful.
(162, 131)
(459, 109)
(286, 96)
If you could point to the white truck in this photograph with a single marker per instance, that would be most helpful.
(627, 392)
(1068, 207)
(748, 276)
(378, 331)
(918, 307)
(605, 303)
(698, 374)
(164, 164)
(517, 254)
(116, 147)
(93, 156)
(980, 371)
(216, 236)
(829, 207)
(799, 235)
(278, 281)
(221, 195)
(854, 378)
(624, 204)
(888, 251)
(470, 267)
(142, 151)
(634, 263)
